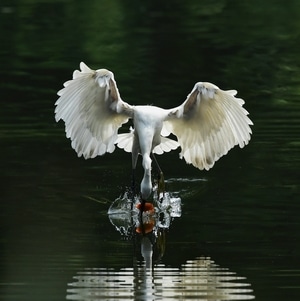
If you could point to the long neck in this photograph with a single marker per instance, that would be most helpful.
(146, 184)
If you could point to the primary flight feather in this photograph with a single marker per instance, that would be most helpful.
(207, 124)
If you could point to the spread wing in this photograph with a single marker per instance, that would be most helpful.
(208, 124)
(91, 107)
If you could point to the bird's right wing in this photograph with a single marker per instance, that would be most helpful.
(208, 124)
(92, 109)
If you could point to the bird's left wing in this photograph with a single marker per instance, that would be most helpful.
(92, 109)
(208, 124)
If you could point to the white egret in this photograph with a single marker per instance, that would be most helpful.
(207, 124)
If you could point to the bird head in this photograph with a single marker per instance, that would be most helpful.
(103, 76)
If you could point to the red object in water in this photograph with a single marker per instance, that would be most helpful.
(146, 228)
(147, 207)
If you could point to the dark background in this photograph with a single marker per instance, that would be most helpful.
(244, 213)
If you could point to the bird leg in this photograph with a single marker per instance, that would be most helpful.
(156, 163)
(161, 179)
(161, 184)
(133, 188)
(135, 155)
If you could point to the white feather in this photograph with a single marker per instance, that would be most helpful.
(207, 124)
(90, 111)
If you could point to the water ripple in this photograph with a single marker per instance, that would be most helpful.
(200, 278)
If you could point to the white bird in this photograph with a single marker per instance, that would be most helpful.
(207, 124)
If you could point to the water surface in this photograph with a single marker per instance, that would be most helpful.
(238, 233)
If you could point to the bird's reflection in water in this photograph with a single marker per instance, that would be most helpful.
(145, 224)
(197, 279)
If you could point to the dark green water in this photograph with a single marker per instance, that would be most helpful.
(241, 218)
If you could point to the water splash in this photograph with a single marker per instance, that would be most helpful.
(124, 214)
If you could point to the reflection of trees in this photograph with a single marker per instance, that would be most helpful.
(149, 44)
(220, 40)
